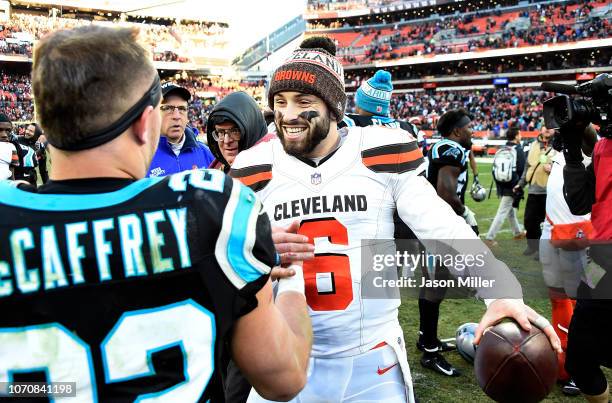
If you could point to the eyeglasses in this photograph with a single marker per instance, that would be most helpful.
(233, 133)
(169, 109)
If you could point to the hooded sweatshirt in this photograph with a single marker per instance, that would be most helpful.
(243, 111)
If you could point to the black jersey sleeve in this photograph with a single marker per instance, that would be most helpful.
(447, 153)
(238, 233)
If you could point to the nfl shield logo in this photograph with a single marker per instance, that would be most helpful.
(315, 178)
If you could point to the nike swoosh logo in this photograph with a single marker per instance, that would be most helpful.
(447, 372)
(384, 370)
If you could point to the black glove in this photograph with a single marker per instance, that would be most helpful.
(572, 142)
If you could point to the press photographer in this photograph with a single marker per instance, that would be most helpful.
(588, 189)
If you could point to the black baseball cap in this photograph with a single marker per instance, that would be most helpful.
(169, 88)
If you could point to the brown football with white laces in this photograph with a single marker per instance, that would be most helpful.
(513, 365)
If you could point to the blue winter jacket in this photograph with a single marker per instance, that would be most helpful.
(194, 154)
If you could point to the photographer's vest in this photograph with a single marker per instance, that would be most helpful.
(601, 215)
(537, 158)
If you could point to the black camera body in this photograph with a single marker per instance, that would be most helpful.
(595, 106)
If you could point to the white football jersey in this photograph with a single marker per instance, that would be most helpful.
(349, 196)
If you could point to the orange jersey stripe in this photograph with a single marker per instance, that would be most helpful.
(262, 176)
(379, 345)
(398, 158)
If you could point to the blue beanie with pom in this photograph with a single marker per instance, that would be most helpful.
(374, 95)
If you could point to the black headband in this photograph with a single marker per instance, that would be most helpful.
(464, 121)
(151, 97)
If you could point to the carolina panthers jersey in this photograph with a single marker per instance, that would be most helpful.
(352, 119)
(448, 152)
(27, 155)
(130, 293)
(347, 197)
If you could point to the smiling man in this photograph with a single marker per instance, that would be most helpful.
(344, 187)
(179, 149)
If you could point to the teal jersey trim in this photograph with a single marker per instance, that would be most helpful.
(14, 197)
(237, 248)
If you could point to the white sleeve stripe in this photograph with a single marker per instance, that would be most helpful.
(223, 241)
(234, 249)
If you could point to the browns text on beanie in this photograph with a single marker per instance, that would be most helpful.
(312, 69)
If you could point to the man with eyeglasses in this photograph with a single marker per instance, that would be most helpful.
(178, 149)
(235, 124)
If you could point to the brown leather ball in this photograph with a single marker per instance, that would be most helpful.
(513, 365)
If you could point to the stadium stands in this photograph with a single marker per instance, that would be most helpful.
(494, 110)
(465, 69)
(16, 97)
(510, 25)
(471, 32)
(168, 43)
(206, 91)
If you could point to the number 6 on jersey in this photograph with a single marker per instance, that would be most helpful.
(329, 286)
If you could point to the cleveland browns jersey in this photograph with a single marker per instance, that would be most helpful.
(349, 196)
(350, 119)
(129, 288)
(448, 152)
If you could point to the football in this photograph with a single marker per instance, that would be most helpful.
(513, 365)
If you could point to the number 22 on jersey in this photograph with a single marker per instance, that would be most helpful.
(126, 351)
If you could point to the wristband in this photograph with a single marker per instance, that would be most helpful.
(294, 283)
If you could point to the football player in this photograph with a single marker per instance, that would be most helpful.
(447, 171)
(448, 162)
(372, 102)
(344, 189)
(134, 288)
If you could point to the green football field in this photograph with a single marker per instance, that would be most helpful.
(431, 387)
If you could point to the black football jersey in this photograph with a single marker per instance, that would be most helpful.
(448, 152)
(130, 292)
(351, 119)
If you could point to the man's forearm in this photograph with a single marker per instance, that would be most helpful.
(447, 189)
(453, 200)
(299, 323)
(473, 164)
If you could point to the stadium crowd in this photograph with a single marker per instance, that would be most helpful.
(16, 97)
(493, 110)
(485, 13)
(473, 33)
(167, 43)
(328, 5)
(536, 62)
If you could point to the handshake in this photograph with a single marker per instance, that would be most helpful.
(293, 248)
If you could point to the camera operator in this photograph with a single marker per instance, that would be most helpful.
(589, 189)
